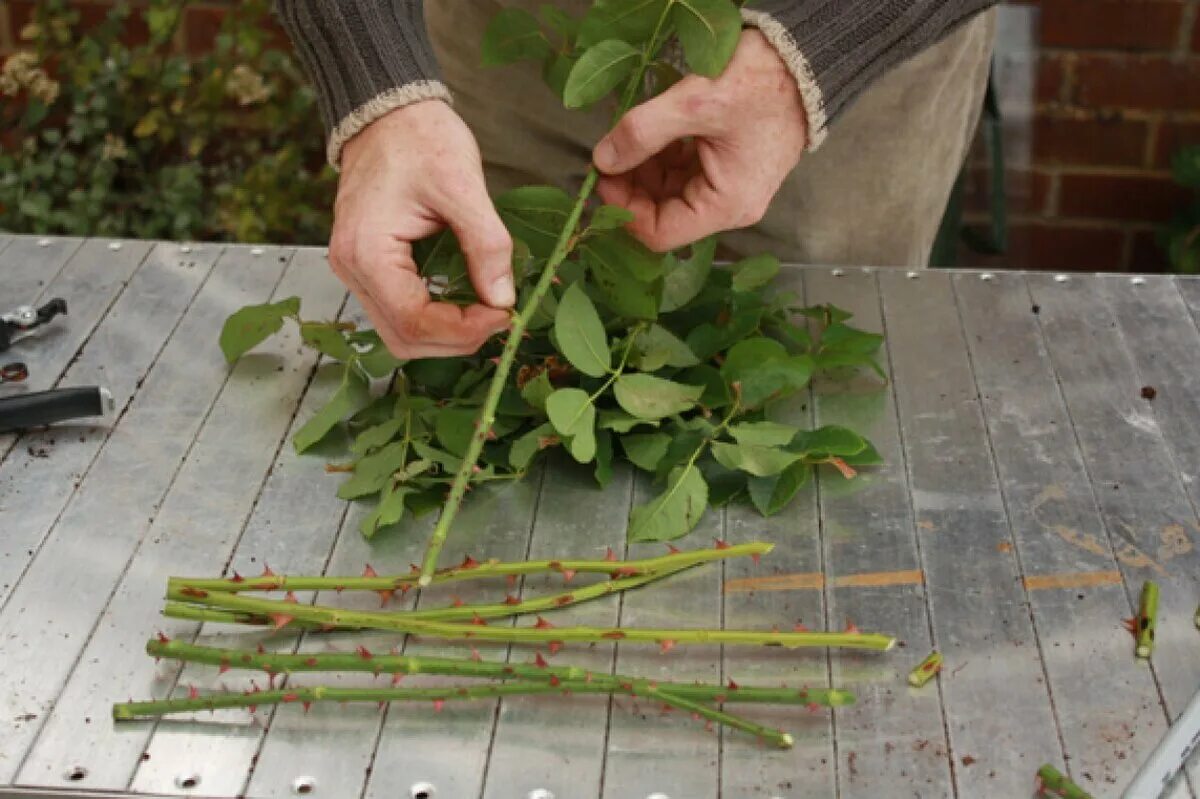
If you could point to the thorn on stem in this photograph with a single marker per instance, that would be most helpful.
(721, 544)
(555, 646)
(193, 693)
(540, 661)
(672, 549)
(369, 571)
(567, 575)
(267, 570)
(610, 556)
(666, 645)
(542, 624)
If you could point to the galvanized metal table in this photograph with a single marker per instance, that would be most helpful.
(1029, 490)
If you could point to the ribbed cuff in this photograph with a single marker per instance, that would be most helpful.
(365, 58)
(810, 91)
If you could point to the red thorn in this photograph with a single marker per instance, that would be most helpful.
(457, 603)
(396, 678)
(281, 620)
(261, 649)
(291, 697)
(475, 655)
(757, 558)
(852, 628)
(196, 592)
(509, 599)
(555, 646)
(307, 706)
(554, 680)
(666, 645)
(479, 621)
(270, 681)
(162, 638)
(667, 709)
(721, 544)
(615, 635)
(610, 556)
(732, 685)
(224, 666)
(405, 588)
(369, 571)
(337, 589)
(801, 628)
(720, 699)
(385, 597)
(510, 580)
(708, 726)
(414, 568)
(542, 624)
(237, 578)
(1131, 624)
(565, 599)
(813, 707)
(540, 661)
(193, 693)
(495, 361)
(846, 469)
(267, 570)
(291, 598)
(671, 548)
(252, 708)
(310, 662)
(568, 574)
(363, 652)
(469, 563)
(438, 704)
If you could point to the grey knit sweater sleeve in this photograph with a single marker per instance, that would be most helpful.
(368, 57)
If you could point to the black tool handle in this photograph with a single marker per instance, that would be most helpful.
(47, 407)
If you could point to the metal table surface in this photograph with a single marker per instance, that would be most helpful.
(1028, 491)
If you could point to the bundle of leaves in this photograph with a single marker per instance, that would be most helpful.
(662, 360)
(1181, 238)
(145, 140)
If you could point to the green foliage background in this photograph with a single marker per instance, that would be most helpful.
(1181, 238)
(146, 141)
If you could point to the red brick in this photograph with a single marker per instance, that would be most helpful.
(1147, 255)
(1111, 24)
(1124, 197)
(1027, 191)
(1089, 140)
(1196, 35)
(200, 29)
(1051, 77)
(1173, 137)
(1067, 248)
(90, 15)
(1138, 82)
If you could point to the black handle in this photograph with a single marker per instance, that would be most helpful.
(47, 407)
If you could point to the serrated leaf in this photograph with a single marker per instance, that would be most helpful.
(373, 354)
(388, 512)
(752, 459)
(685, 278)
(632, 21)
(753, 273)
(351, 396)
(580, 333)
(327, 339)
(537, 390)
(649, 397)
(598, 71)
(674, 512)
(454, 428)
(375, 437)
(620, 422)
(513, 35)
(574, 416)
(829, 441)
(447, 462)
(772, 494)
(708, 339)
(617, 250)
(372, 472)
(536, 215)
(525, 448)
(645, 450)
(766, 434)
(610, 217)
(764, 369)
(254, 324)
(709, 31)
(657, 347)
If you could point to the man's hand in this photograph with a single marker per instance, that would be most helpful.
(707, 154)
(405, 177)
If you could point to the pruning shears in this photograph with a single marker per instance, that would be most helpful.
(42, 407)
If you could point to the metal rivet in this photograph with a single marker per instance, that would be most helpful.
(422, 790)
(987, 277)
(44, 242)
(1062, 278)
(114, 245)
(257, 251)
(1138, 281)
(304, 786)
(185, 249)
(76, 773)
(539, 793)
(839, 272)
(914, 275)
(187, 781)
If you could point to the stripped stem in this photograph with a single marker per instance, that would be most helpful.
(472, 570)
(1147, 619)
(1055, 783)
(361, 661)
(335, 618)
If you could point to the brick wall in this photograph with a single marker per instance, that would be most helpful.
(1116, 92)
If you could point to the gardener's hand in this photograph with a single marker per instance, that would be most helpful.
(405, 177)
(707, 154)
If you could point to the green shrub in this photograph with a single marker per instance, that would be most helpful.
(145, 141)
(1181, 238)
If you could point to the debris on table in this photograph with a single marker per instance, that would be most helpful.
(926, 670)
(1146, 619)
(1051, 782)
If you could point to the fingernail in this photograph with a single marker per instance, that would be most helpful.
(605, 155)
(504, 295)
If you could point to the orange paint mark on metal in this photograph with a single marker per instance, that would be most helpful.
(1041, 582)
(872, 579)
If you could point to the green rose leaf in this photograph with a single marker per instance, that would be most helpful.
(599, 70)
(674, 512)
(529, 445)
(685, 278)
(620, 422)
(375, 437)
(574, 416)
(388, 512)
(610, 217)
(537, 390)
(772, 494)
(536, 215)
(352, 395)
(753, 273)
(454, 428)
(604, 456)
(709, 31)
(632, 21)
(827, 442)
(617, 250)
(753, 459)
(649, 397)
(372, 472)
(580, 333)
(514, 35)
(765, 434)
(645, 450)
(657, 347)
(724, 485)
(764, 369)
(254, 324)
(327, 339)
(869, 456)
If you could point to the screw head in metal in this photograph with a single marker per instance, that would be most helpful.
(185, 249)
(187, 781)
(913, 275)
(422, 790)
(1138, 281)
(115, 245)
(303, 786)
(838, 272)
(987, 277)
(1062, 278)
(256, 251)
